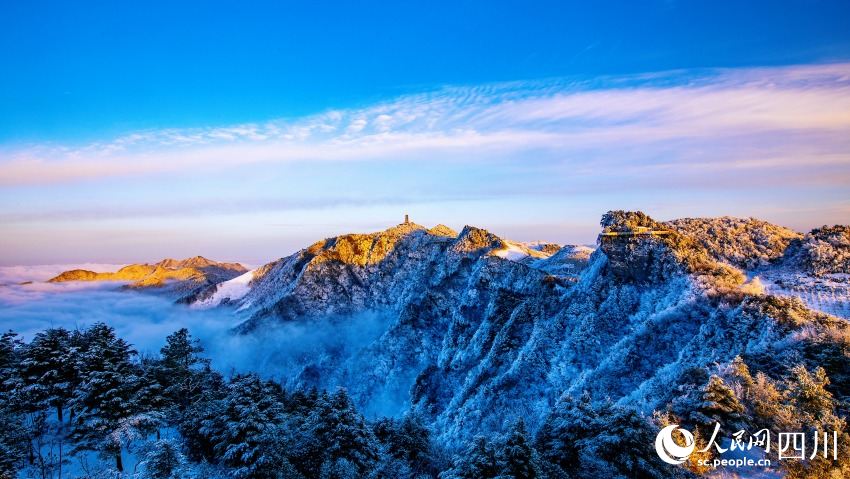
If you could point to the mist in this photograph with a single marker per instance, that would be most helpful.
(322, 352)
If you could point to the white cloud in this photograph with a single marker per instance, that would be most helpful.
(356, 126)
(614, 115)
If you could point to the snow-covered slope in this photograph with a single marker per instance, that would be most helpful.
(226, 292)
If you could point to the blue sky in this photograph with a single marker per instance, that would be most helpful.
(131, 131)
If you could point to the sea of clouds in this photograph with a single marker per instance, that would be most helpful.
(145, 320)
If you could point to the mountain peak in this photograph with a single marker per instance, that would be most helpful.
(362, 249)
(442, 230)
(472, 239)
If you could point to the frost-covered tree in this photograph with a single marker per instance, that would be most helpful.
(163, 461)
(10, 361)
(477, 461)
(600, 440)
(13, 443)
(339, 468)
(517, 457)
(246, 431)
(181, 368)
(47, 371)
(407, 441)
(104, 400)
(814, 403)
(718, 403)
(338, 431)
(570, 421)
(202, 419)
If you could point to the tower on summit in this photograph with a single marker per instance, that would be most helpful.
(406, 219)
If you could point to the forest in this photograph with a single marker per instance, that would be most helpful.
(83, 403)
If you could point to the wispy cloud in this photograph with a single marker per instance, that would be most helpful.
(607, 116)
(739, 141)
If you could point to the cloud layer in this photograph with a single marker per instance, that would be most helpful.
(145, 320)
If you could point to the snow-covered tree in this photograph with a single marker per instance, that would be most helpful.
(181, 368)
(814, 403)
(517, 457)
(338, 431)
(477, 461)
(718, 403)
(163, 461)
(601, 440)
(104, 400)
(246, 432)
(406, 440)
(47, 370)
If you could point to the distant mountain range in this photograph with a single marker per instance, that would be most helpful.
(172, 276)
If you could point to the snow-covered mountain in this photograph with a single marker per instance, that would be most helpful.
(476, 330)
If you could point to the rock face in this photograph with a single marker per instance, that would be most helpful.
(635, 258)
(168, 276)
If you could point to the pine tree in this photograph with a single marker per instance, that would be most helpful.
(10, 360)
(13, 443)
(407, 440)
(13, 434)
(180, 368)
(808, 393)
(570, 421)
(104, 398)
(339, 431)
(163, 461)
(46, 380)
(622, 446)
(339, 468)
(478, 461)
(248, 428)
(600, 440)
(47, 370)
(718, 403)
(148, 400)
(200, 421)
(517, 458)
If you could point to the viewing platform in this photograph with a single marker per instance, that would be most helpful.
(639, 231)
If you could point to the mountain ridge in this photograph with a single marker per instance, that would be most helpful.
(461, 317)
(172, 276)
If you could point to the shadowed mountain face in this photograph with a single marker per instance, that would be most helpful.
(469, 328)
(168, 276)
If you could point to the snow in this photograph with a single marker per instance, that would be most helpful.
(513, 252)
(829, 294)
(231, 290)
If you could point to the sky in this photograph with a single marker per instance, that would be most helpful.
(133, 131)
